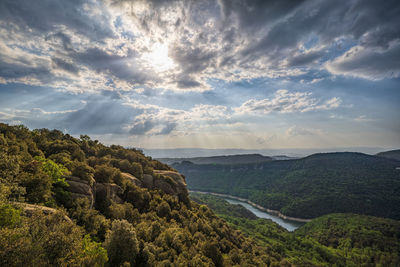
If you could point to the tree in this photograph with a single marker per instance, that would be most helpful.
(105, 174)
(163, 209)
(212, 251)
(121, 243)
(93, 253)
(83, 171)
(137, 170)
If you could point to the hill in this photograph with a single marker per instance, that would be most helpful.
(307, 187)
(334, 239)
(68, 201)
(392, 154)
(225, 160)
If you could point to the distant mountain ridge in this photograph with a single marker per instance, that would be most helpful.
(308, 187)
(229, 159)
(391, 154)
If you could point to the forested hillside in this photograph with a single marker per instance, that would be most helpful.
(308, 187)
(334, 239)
(391, 154)
(66, 201)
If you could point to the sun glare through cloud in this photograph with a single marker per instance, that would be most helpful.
(122, 120)
(230, 73)
(158, 58)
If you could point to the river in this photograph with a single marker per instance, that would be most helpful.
(288, 224)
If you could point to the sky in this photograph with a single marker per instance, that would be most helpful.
(223, 74)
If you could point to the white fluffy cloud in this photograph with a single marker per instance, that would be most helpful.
(177, 45)
(368, 62)
(287, 102)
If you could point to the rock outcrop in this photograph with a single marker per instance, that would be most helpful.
(109, 191)
(132, 178)
(169, 182)
(80, 188)
(30, 208)
(172, 183)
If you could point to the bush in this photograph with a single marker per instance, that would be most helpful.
(105, 174)
(121, 243)
(9, 217)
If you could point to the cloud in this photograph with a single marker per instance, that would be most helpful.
(368, 63)
(287, 102)
(304, 59)
(96, 45)
(362, 118)
(299, 131)
(66, 66)
(90, 20)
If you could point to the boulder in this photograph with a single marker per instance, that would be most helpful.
(80, 188)
(30, 208)
(132, 178)
(109, 191)
(172, 183)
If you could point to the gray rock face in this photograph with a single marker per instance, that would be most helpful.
(80, 188)
(169, 182)
(29, 209)
(109, 191)
(132, 178)
(172, 183)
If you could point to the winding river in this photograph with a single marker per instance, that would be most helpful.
(288, 224)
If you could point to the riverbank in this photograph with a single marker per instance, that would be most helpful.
(274, 212)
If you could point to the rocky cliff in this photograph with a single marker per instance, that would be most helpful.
(169, 182)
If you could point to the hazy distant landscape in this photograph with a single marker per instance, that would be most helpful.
(298, 153)
(209, 133)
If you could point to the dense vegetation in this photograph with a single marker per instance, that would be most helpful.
(66, 201)
(221, 206)
(308, 187)
(391, 154)
(334, 239)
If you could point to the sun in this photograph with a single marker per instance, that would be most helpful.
(158, 58)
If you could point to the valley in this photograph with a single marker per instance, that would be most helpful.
(307, 187)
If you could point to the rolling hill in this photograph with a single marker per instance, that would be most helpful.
(309, 187)
(225, 160)
(392, 154)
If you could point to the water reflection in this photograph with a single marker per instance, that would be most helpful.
(287, 224)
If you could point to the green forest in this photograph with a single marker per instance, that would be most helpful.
(67, 201)
(308, 187)
(331, 240)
